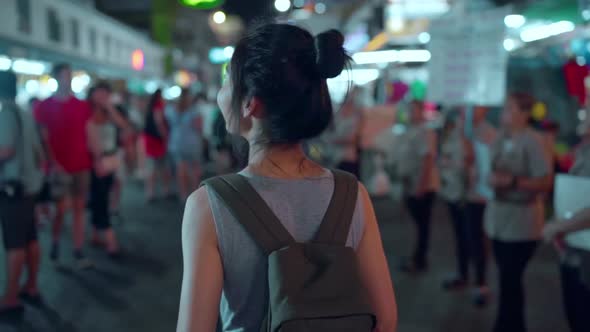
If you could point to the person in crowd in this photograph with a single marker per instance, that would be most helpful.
(575, 265)
(347, 135)
(126, 142)
(155, 137)
(206, 110)
(480, 136)
(185, 144)
(276, 97)
(137, 117)
(225, 161)
(550, 131)
(44, 200)
(102, 141)
(33, 103)
(126, 139)
(63, 120)
(521, 175)
(21, 178)
(453, 166)
(421, 181)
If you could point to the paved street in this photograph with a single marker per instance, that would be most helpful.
(141, 293)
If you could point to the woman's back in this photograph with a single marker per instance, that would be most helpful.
(300, 205)
(276, 97)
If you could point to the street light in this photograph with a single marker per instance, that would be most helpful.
(219, 17)
(514, 21)
(320, 8)
(424, 37)
(282, 5)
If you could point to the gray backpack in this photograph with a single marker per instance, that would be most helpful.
(313, 286)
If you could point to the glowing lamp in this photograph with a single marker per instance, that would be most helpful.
(137, 60)
(202, 4)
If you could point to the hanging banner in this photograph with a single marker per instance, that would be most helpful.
(468, 64)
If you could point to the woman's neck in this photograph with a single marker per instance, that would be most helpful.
(284, 161)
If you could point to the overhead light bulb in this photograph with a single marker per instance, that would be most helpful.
(282, 5)
(424, 37)
(320, 8)
(5, 62)
(219, 17)
(509, 44)
(228, 51)
(546, 31)
(514, 21)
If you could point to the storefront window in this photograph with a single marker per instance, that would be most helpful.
(75, 26)
(92, 38)
(53, 25)
(107, 46)
(23, 8)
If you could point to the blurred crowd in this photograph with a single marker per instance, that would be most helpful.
(64, 154)
(497, 182)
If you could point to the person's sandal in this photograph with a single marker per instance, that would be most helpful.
(115, 255)
(12, 313)
(409, 266)
(454, 284)
(34, 300)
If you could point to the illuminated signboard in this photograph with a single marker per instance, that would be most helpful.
(137, 60)
(202, 4)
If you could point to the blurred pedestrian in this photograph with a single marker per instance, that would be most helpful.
(21, 178)
(155, 137)
(186, 144)
(575, 263)
(347, 135)
(127, 146)
(452, 164)
(521, 174)
(276, 98)
(480, 137)
(421, 181)
(44, 202)
(224, 153)
(63, 120)
(102, 140)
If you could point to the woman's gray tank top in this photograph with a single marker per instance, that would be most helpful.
(300, 205)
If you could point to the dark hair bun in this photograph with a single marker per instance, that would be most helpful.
(286, 68)
(332, 57)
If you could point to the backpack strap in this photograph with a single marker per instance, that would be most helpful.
(336, 223)
(250, 210)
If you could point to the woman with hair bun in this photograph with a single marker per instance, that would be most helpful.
(276, 97)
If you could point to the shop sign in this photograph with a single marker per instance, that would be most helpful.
(468, 60)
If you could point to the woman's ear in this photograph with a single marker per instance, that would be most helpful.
(252, 107)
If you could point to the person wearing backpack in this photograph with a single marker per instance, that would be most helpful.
(21, 178)
(284, 245)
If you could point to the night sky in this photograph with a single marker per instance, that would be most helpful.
(249, 9)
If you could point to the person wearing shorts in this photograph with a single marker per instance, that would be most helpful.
(63, 120)
(155, 135)
(20, 180)
(186, 145)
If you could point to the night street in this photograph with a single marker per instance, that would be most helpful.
(141, 292)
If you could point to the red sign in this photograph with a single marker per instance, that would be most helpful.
(137, 60)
